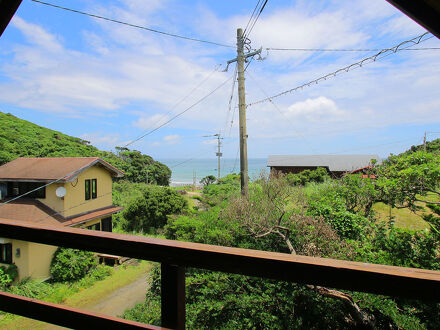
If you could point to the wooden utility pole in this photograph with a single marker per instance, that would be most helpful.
(240, 59)
(424, 142)
(218, 154)
(242, 114)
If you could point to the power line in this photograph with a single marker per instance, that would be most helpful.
(252, 15)
(179, 114)
(344, 50)
(256, 19)
(230, 100)
(185, 97)
(383, 53)
(133, 25)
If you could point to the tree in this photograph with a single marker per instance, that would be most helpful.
(207, 180)
(71, 264)
(152, 208)
(406, 179)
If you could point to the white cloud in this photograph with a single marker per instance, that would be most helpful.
(150, 122)
(317, 109)
(125, 69)
(102, 140)
(36, 35)
(172, 139)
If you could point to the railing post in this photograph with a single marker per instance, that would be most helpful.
(173, 296)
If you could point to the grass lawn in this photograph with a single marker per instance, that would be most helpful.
(120, 277)
(403, 218)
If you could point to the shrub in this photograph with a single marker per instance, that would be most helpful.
(300, 179)
(5, 280)
(71, 264)
(152, 208)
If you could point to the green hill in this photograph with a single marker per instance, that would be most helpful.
(21, 138)
(431, 146)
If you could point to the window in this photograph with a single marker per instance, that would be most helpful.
(96, 226)
(6, 253)
(107, 224)
(20, 188)
(87, 191)
(94, 188)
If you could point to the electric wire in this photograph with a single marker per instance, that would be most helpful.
(183, 98)
(230, 100)
(133, 25)
(179, 114)
(256, 19)
(344, 50)
(250, 18)
(383, 53)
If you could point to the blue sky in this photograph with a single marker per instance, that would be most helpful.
(109, 83)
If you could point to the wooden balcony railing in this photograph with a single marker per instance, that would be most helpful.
(175, 256)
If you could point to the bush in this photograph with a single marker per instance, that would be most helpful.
(152, 208)
(328, 204)
(5, 280)
(300, 179)
(71, 264)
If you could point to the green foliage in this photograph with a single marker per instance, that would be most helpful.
(358, 193)
(403, 180)
(306, 176)
(20, 138)
(207, 180)
(329, 219)
(431, 146)
(142, 168)
(5, 279)
(222, 190)
(11, 271)
(149, 207)
(331, 206)
(71, 264)
(57, 292)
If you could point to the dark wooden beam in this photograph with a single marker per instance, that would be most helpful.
(64, 316)
(7, 10)
(424, 12)
(173, 296)
(356, 276)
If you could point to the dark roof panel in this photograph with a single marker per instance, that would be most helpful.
(49, 169)
(335, 163)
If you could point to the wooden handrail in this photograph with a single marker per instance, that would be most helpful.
(64, 315)
(356, 276)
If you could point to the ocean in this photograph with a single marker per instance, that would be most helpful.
(183, 169)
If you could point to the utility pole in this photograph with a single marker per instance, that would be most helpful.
(194, 180)
(424, 142)
(242, 114)
(240, 59)
(218, 154)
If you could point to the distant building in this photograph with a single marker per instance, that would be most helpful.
(336, 165)
(82, 197)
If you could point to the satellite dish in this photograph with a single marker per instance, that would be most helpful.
(60, 192)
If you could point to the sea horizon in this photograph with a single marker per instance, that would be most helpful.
(183, 169)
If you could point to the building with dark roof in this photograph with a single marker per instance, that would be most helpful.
(336, 165)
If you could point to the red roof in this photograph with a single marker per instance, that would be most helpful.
(31, 210)
(48, 169)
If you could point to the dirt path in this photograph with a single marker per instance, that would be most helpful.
(123, 298)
